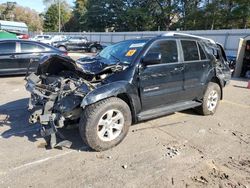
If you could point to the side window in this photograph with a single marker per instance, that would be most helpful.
(190, 50)
(213, 51)
(168, 50)
(26, 47)
(7, 47)
(202, 53)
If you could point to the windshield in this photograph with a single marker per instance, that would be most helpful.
(124, 51)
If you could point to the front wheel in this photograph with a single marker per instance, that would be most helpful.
(105, 124)
(93, 49)
(211, 99)
(62, 48)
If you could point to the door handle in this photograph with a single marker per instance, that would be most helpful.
(177, 69)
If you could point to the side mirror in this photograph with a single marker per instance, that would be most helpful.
(152, 58)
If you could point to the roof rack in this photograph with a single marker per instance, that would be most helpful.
(188, 35)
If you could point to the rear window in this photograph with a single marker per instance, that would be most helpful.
(26, 47)
(7, 47)
(190, 50)
(202, 53)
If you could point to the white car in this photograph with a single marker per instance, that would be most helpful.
(48, 39)
(41, 38)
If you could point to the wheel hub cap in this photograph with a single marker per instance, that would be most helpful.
(212, 100)
(110, 125)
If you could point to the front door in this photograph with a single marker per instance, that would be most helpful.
(162, 84)
(73, 44)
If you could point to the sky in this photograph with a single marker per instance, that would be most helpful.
(33, 4)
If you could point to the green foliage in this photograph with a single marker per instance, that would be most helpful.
(142, 15)
(51, 17)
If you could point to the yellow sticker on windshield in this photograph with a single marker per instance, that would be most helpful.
(131, 53)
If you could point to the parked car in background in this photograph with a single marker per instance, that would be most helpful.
(78, 43)
(23, 36)
(41, 38)
(55, 38)
(50, 39)
(17, 55)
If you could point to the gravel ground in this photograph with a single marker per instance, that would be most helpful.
(183, 149)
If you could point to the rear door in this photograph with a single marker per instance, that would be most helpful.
(162, 84)
(8, 61)
(196, 65)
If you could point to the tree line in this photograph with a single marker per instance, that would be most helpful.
(151, 15)
(137, 15)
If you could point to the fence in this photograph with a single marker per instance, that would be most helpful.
(228, 38)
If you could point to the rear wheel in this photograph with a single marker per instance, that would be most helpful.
(105, 124)
(211, 99)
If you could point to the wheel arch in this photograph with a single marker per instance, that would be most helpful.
(126, 98)
(121, 89)
(219, 82)
(62, 45)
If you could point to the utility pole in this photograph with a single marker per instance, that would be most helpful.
(59, 16)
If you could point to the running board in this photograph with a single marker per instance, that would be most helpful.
(157, 112)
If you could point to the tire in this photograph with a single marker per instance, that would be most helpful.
(92, 129)
(93, 49)
(211, 99)
(62, 48)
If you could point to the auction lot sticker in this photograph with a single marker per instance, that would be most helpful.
(131, 53)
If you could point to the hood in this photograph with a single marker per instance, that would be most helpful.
(86, 67)
(96, 65)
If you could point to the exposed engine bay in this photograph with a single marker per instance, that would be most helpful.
(57, 90)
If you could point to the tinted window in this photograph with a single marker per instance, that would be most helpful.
(27, 47)
(202, 53)
(168, 50)
(213, 51)
(7, 47)
(190, 50)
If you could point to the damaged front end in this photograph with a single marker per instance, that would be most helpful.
(57, 90)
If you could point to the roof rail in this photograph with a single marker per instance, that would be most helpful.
(188, 35)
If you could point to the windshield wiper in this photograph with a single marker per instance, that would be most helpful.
(118, 60)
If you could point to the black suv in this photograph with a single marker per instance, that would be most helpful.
(78, 43)
(127, 82)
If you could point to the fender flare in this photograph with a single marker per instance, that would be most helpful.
(212, 76)
(109, 90)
